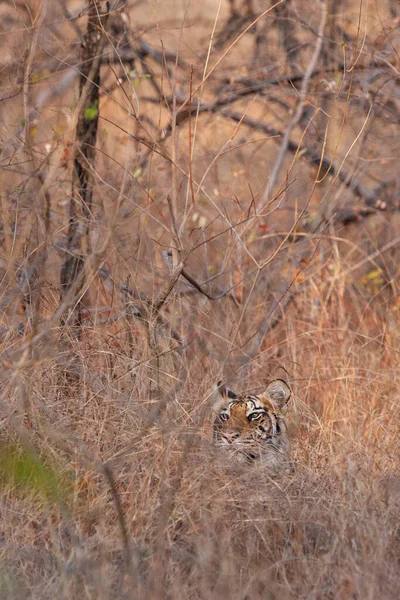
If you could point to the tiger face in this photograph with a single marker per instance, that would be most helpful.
(253, 428)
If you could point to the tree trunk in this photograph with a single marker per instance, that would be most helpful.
(80, 208)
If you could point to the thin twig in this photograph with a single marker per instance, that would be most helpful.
(300, 106)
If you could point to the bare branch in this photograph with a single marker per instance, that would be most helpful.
(300, 106)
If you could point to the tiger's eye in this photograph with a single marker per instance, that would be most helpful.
(223, 417)
(254, 416)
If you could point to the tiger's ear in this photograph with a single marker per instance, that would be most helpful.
(278, 393)
(224, 391)
(222, 394)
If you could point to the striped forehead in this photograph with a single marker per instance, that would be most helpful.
(250, 403)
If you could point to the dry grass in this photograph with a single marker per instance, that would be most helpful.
(198, 527)
(110, 486)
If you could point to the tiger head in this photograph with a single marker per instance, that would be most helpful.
(253, 427)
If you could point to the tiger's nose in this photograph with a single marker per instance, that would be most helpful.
(230, 437)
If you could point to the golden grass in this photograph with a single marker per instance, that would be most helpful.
(116, 422)
(199, 527)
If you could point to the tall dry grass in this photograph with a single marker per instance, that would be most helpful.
(198, 526)
(110, 485)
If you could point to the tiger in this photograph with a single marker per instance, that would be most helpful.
(253, 428)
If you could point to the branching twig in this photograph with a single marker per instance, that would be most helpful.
(324, 162)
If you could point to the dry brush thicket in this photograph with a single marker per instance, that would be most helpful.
(190, 191)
